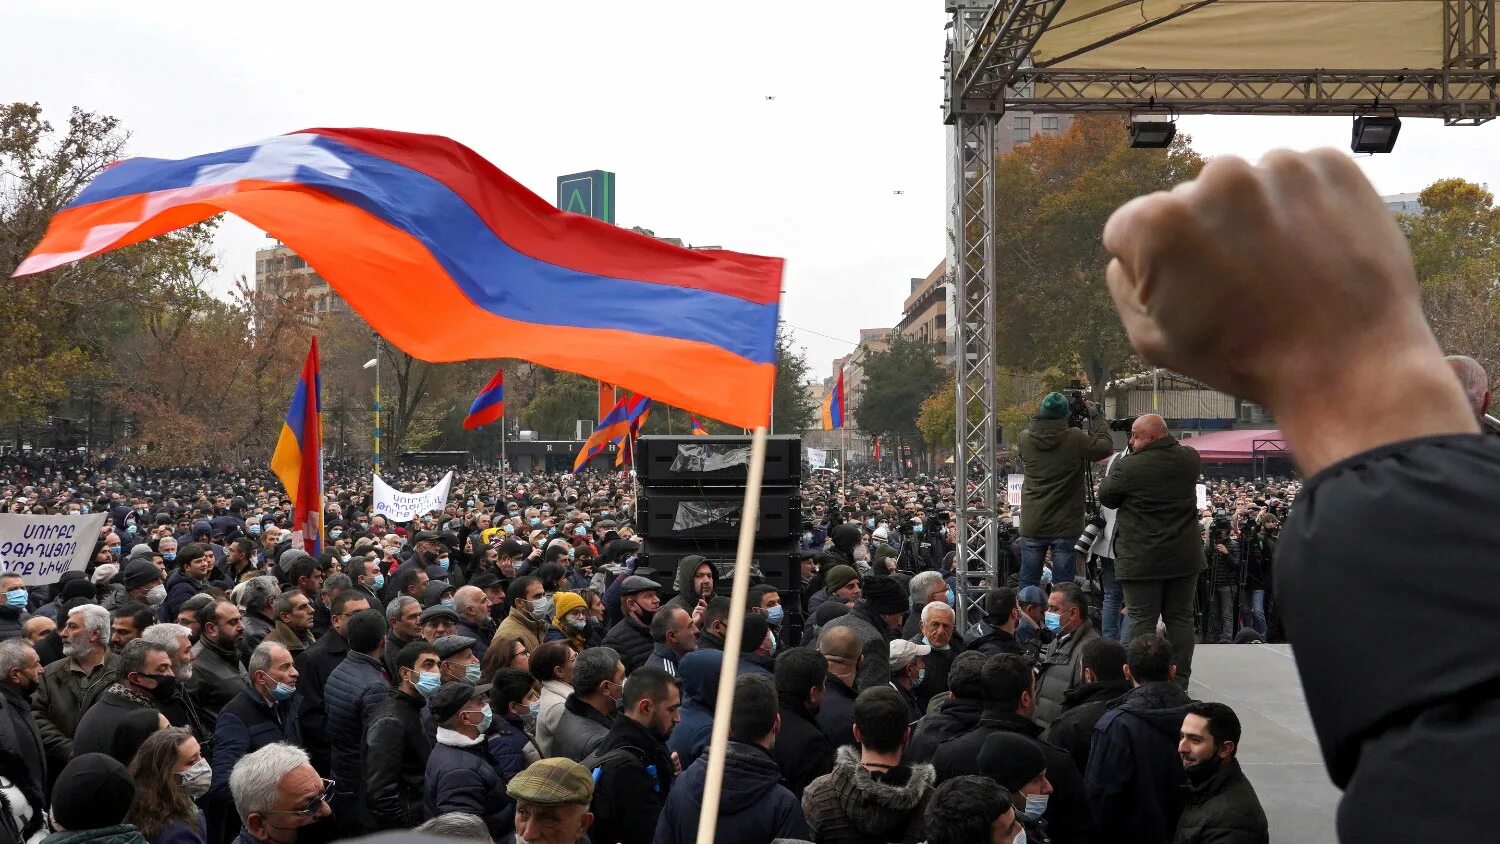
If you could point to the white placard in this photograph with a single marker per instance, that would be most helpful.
(817, 458)
(1202, 496)
(41, 548)
(405, 506)
(1013, 483)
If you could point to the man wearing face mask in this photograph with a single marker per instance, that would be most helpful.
(631, 637)
(1019, 765)
(143, 677)
(396, 747)
(529, 609)
(908, 667)
(460, 774)
(1061, 666)
(20, 677)
(456, 660)
(180, 708)
(263, 714)
(13, 615)
(143, 584)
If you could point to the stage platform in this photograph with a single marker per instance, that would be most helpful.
(1279, 751)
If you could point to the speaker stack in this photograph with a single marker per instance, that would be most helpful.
(691, 501)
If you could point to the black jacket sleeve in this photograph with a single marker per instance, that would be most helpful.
(383, 741)
(1407, 531)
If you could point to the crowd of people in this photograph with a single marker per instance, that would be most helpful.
(514, 668)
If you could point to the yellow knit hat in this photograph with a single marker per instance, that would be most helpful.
(564, 603)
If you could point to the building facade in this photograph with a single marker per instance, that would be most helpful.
(924, 313)
(281, 272)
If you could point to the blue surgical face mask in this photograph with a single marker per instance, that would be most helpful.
(379, 581)
(17, 598)
(254, 529)
(870, 523)
(1053, 621)
(944, 531)
(114, 551)
(774, 615)
(580, 531)
(1036, 805)
(443, 563)
(488, 718)
(917, 529)
(130, 529)
(169, 556)
(471, 673)
(572, 553)
(428, 682)
(536, 709)
(345, 559)
(283, 691)
(921, 675)
(952, 600)
(447, 602)
(536, 521)
(335, 533)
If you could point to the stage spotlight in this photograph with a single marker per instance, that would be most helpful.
(1375, 133)
(1152, 131)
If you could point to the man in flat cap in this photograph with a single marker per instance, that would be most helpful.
(552, 803)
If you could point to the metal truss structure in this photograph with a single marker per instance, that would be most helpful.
(989, 69)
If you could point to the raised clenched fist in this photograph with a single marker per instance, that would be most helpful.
(1290, 284)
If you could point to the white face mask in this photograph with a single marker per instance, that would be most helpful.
(197, 778)
(1036, 804)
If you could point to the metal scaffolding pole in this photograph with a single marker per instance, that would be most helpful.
(971, 263)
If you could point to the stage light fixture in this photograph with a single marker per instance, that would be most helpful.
(1152, 131)
(1375, 133)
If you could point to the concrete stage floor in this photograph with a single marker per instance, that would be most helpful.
(1279, 751)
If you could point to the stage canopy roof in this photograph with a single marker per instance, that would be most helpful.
(1238, 446)
(1244, 34)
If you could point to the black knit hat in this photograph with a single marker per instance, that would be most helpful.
(94, 791)
(884, 595)
(1011, 759)
(754, 633)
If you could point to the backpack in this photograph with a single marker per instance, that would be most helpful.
(597, 763)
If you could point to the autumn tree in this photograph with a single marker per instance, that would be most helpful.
(897, 381)
(1051, 305)
(1455, 244)
(58, 328)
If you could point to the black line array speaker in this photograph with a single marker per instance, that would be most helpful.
(691, 499)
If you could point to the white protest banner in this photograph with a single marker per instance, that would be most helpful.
(1013, 483)
(1202, 496)
(41, 548)
(817, 458)
(405, 506)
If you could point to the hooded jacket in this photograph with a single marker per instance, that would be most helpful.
(754, 807)
(698, 674)
(853, 806)
(1135, 777)
(687, 568)
(1054, 456)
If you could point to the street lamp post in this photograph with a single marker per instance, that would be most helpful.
(375, 362)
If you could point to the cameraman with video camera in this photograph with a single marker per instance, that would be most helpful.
(1055, 452)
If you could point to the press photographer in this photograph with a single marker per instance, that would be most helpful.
(1158, 541)
(1055, 456)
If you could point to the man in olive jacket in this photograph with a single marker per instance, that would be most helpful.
(1055, 456)
(1158, 541)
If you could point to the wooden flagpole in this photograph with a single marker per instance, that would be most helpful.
(718, 744)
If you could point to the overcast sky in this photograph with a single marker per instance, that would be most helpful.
(670, 95)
